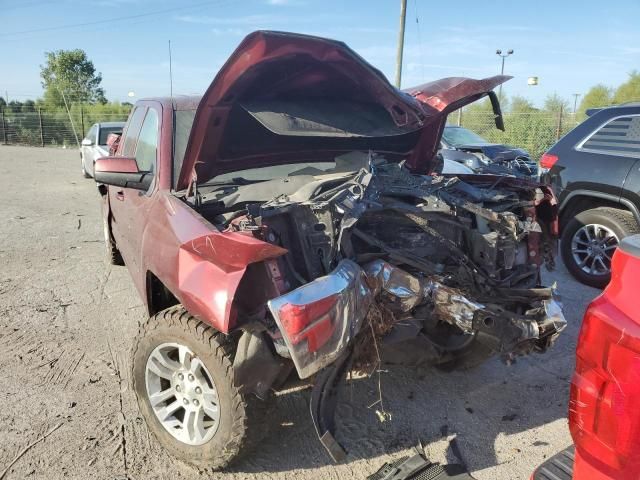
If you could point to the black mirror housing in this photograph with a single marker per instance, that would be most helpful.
(122, 172)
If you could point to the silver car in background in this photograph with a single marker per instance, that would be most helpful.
(94, 145)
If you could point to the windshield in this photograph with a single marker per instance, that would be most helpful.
(183, 123)
(105, 131)
(461, 136)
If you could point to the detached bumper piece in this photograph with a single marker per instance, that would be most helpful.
(418, 467)
(324, 398)
(558, 467)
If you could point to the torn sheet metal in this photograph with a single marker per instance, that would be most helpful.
(402, 290)
(451, 306)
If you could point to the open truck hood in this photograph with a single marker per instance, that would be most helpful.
(289, 98)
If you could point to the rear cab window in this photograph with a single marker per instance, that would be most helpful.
(104, 134)
(618, 136)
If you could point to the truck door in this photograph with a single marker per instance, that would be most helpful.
(136, 203)
(121, 226)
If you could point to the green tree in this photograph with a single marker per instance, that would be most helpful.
(70, 72)
(521, 105)
(597, 96)
(28, 106)
(555, 103)
(629, 91)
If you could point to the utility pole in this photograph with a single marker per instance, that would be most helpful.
(403, 17)
(575, 102)
(503, 56)
(559, 127)
(170, 73)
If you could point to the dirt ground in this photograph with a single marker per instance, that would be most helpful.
(67, 323)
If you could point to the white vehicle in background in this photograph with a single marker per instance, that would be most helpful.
(94, 145)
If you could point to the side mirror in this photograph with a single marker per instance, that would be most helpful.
(121, 172)
(86, 142)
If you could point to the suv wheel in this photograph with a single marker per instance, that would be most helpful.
(183, 380)
(589, 240)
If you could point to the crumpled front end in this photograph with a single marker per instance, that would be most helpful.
(386, 265)
(320, 319)
(504, 331)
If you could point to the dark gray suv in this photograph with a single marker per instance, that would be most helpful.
(595, 173)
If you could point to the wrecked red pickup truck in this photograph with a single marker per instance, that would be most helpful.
(292, 219)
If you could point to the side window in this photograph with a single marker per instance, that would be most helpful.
(148, 142)
(131, 135)
(621, 136)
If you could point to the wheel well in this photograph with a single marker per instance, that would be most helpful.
(158, 296)
(580, 203)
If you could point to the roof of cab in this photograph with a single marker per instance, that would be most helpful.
(177, 102)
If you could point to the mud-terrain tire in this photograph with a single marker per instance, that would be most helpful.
(620, 222)
(112, 252)
(242, 418)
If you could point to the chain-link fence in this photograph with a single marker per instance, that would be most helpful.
(44, 128)
(534, 131)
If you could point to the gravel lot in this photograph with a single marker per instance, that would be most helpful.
(67, 323)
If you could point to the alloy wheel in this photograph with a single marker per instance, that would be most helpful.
(182, 394)
(592, 248)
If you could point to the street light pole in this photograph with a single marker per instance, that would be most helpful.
(503, 56)
(575, 102)
(403, 17)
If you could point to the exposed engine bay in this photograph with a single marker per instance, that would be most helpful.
(442, 270)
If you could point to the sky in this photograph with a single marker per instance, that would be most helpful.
(569, 45)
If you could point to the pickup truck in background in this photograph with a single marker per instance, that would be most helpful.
(288, 227)
(95, 144)
(604, 417)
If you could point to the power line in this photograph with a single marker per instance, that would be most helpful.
(110, 20)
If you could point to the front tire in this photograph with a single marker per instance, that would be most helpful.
(589, 241)
(183, 381)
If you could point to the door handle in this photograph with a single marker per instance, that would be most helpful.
(120, 195)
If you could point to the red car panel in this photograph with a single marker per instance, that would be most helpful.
(268, 64)
(604, 405)
(604, 410)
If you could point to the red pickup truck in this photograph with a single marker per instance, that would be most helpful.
(290, 223)
(604, 407)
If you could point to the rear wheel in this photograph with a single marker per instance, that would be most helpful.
(589, 241)
(183, 381)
